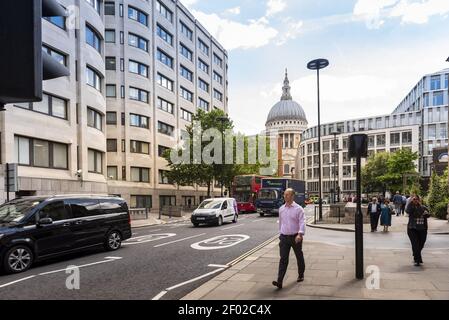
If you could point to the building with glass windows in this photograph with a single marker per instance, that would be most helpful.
(139, 71)
(418, 123)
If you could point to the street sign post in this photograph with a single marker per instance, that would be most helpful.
(11, 183)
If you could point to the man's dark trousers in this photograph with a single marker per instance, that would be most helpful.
(287, 242)
(374, 216)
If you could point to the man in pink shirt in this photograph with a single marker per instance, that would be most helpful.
(292, 230)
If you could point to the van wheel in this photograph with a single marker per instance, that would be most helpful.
(18, 259)
(220, 221)
(196, 225)
(261, 214)
(113, 241)
(235, 218)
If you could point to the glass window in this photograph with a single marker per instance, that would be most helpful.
(164, 82)
(58, 107)
(164, 35)
(186, 52)
(110, 63)
(93, 79)
(139, 147)
(41, 153)
(138, 68)
(186, 94)
(93, 38)
(186, 73)
(95, 161)
(435, 82)
(111, 90)
(218, 95)
(137, 15)
(42, 106)
(109, 36)
(203, 104)
(111, 145)
(380, 140)
(218, 61)
(165, 105)
(165, 128)
(111, 117)
(140, 174)
(95, 4)
(164, 58)
(141, 202)
(112, 172)
(138, 42)
(55, 54)
(431, 131)
(94, 119)
(161, 150)
(426, 100)
(438, 98)
(203, 66)
(60, 156)
(407, 137)
(186, 31)
(22, 150)
(395, 138)
(164, 11)
(203, 47)
(163, 179)
(203, 85)
(138, 94)
(109, 8)
(186, 115)
(56, 211)
(139, 121)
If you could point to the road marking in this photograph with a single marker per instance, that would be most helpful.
(111, 259)
(164, 244)
(233, 227)
(151, 237)
(160, 295)
(220, 242)
(143, 236)
(218, 266)
(195, 279)
(12, 282)
(259, 220)
(247, 254)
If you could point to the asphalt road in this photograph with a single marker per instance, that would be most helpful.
(157, 258)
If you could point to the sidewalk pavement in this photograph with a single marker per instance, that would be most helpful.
(398, 224)
(330, 274)
(153, 219)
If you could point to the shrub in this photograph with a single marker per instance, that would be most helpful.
(440, 210)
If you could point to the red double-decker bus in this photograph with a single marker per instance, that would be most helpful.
(245, 189)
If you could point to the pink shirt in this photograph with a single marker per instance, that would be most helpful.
(292, 219)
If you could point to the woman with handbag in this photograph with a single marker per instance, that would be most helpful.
(385, 215)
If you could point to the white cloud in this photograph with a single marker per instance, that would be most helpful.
(233, 35)
(292, 30)
(370, 11)
(419, 12)
(234, 11)
(275, 6)
(189, 3)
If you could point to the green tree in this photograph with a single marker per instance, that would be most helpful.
(438, 196)
(372, 172)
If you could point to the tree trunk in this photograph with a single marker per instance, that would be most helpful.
(208, 189)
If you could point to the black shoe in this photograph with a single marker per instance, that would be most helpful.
(277, 284)
(417, 264)
(300, 279)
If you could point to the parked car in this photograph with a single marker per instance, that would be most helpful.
(215, 211)
(38, 228)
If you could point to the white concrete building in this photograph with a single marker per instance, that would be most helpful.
(139, 70)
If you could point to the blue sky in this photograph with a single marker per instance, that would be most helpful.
(378, 50)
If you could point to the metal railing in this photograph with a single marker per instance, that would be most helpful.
(330, 208)
(139, 213)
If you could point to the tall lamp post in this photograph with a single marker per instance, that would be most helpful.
(447, 60)
(335, 133)
(317, 65)
(222, 119)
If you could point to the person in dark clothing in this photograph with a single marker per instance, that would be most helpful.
(417, 227)
(374, 213)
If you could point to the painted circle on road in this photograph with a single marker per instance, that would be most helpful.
(220, 242)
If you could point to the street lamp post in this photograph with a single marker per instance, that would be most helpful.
(447, 60)
(222, 119)
(317, 65)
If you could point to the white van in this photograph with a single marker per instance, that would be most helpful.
(215, 211)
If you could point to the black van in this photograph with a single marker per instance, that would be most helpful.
(37, 228)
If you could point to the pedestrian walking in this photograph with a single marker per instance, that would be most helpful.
(404, 202)
(397, 201)
(292, 229)
(385, 215)
(417, 227)
(374, 213)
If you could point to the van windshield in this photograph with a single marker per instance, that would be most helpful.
(211, 204)
(14, 211)
(268, 194)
